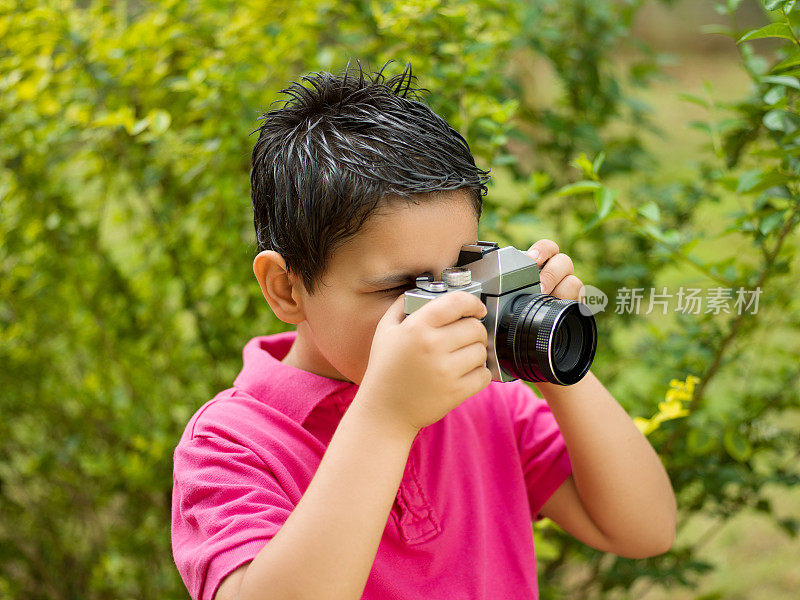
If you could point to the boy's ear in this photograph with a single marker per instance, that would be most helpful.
(279, 287)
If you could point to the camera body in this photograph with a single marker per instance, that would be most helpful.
(531, 336)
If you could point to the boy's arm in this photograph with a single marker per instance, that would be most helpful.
(326, 547)
(619, 497)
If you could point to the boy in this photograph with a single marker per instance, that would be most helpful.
(369, 454)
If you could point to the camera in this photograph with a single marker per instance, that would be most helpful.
(531, 336)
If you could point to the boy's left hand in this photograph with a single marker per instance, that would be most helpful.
(556, 271)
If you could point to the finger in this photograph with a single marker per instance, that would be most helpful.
(542, 251)
(463, 333)
(395, 313)
(468, 358)
(556, 269)
(568, 289)
(476, 380)
(450, 307)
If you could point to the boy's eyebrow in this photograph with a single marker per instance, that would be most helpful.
(394, 278)
(399, 277)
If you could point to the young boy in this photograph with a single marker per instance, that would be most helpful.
(368, 454)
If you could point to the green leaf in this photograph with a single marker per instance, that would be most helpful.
(140, 126)
(651, 211)
(780, 30)
(770, 153)
(769, 179)
(790, 526)
(713, 595)
(793, 72)
(598, 162)
(539, 180)
(579, 187)
(505, 159)
(774, 95)
(748, 180)
(737, 445)
(689, 246)
(701, 125)
(791, 82)
(604, 199)
(779, 120)
(700, 442)
(770, 222)
(584, 164)
(718, 28)
(655, 232)
(783, 5)
(789, 61)
(764, 505)
(160, 119)
(694, 99)
(732, 124)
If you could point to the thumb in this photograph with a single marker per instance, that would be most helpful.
(396, 312)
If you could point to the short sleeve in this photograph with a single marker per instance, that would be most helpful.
(225, 506)
(542, 449)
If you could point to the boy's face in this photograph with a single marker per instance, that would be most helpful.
(335, 338)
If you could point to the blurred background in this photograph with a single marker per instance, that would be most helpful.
(660, 153)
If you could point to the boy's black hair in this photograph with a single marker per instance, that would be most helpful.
(325, 161)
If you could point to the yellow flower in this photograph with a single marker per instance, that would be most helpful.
(672, 407)
(646, 426)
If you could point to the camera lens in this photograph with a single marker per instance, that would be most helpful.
(568, 341)
(543, 338)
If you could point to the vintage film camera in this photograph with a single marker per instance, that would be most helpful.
(532, 336)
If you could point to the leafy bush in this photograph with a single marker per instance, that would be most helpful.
(127, 291)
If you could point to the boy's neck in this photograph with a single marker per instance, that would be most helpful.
(305, 355)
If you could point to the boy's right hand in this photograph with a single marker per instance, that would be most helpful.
(423, 365)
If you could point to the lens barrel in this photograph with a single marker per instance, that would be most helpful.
(543, 338)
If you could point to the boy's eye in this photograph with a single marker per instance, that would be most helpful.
(394, 289)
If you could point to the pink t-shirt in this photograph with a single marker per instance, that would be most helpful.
(460, 526)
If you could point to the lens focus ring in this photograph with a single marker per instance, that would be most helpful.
(543, 338)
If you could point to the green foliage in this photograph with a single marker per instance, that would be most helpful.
(742, 208)
(126, 290)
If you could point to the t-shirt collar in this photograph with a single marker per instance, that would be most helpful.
(290, 390)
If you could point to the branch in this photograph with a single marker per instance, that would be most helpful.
(716, 362)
